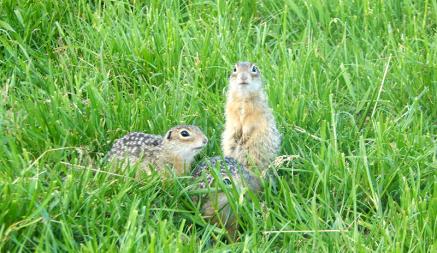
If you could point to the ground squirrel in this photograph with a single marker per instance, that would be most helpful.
(250, 134)
(178, 148)
(215, 205)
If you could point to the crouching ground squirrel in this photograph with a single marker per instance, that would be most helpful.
(215, 204)
(177, 148)
(250, 134)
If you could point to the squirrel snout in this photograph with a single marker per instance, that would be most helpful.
(243, 78)
(205, 141)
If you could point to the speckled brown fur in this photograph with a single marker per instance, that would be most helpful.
(173, 149)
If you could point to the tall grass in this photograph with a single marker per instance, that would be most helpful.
(353, 85)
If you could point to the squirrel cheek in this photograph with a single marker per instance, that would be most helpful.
(234, 83)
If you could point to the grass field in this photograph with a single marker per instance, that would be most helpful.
(353, 85)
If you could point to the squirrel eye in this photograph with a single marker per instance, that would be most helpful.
(235, 70)
(254, 69)
(227, 181)
(185, 133)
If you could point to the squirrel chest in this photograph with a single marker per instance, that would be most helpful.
(246, 116)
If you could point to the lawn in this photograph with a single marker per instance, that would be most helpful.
(353, 86)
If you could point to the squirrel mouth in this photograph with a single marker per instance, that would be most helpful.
(198, 148)
(244, 83)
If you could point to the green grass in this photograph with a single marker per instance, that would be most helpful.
(353, 85)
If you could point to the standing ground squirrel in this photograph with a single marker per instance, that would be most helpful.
(215, 206)
(250, 134)
(178, 148)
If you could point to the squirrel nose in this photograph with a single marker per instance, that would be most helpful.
(205, 141)
(243, 77)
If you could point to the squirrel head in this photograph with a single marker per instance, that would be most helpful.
(245, 79)
(185, 141)
(218, 175)
(218, 172)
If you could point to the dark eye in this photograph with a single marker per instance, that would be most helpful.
(227, 181)
(235, 70)
(185, 133)
(254, 69)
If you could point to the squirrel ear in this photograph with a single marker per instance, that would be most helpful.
(168, 135)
